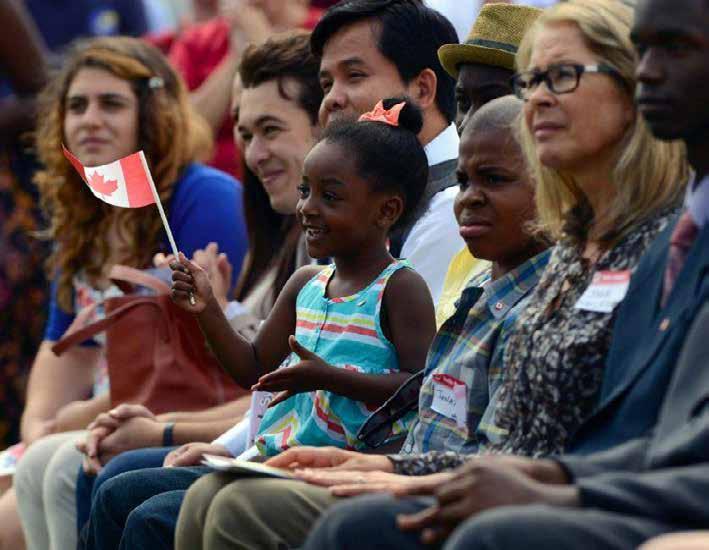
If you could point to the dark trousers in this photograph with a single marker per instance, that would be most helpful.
(88, 485)
(370, 522)
(139, 509)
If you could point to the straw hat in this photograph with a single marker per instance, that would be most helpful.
(494, 39)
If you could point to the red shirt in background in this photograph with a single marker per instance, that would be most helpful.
(195, 51)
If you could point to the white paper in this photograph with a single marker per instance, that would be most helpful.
(232, 465)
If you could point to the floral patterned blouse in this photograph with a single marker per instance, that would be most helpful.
(555, 356)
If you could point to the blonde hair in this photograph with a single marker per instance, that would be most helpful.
(169, 131)
(649, 174)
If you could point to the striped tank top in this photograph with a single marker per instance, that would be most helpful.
(346, 333)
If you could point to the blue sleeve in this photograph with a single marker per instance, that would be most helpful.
(133, 19)
(208, 206)
(58, 320)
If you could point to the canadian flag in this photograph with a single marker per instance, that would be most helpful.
(126, 182)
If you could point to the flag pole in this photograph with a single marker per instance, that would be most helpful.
(158, 203)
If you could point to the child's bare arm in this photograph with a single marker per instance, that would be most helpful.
(411, 327)
(245, 361)
(410, 318)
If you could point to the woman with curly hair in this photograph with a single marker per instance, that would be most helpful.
(113, 96)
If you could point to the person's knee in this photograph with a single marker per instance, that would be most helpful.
(193, 512)
(335, 528)
(224, 510)
(30, 469)
(697, 540)
(143, 518)
(199, 497)
(111, 499)
(26, 478)
(262, 513)
(502, 528)
(125, 462)
(362, 521)
(246, 498)
(152, 524)
(60, 476)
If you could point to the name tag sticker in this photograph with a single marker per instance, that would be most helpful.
(260, 400)
(450, 397)
(607, 290)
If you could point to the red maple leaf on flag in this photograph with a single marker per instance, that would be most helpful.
(101, 185)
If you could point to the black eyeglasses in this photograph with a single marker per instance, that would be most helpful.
(560, 79)
(377, 428)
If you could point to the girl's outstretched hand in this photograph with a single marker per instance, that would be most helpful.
(307, 375)
(191, 289)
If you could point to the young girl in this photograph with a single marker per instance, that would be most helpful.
(363, 324)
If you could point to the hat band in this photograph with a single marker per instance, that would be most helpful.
(492, 44)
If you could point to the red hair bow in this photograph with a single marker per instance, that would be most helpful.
(387, 116)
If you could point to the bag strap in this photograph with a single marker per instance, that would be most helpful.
(138, 277)
(80, 335)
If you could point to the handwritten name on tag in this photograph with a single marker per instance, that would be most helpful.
(450, 398)
(607, 290)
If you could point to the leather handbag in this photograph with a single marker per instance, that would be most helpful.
(156, 353)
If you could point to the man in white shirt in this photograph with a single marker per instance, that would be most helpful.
(373, 50)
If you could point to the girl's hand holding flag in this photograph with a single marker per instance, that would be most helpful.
(191, 289)
(215, 263)
(127, 183)
(191, 281)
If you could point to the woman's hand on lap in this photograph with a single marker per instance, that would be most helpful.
(343, 483)
(331, 458)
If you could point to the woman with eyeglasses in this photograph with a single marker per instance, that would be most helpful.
(606, 188)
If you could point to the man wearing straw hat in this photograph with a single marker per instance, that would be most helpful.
(484, 64)
(482, 67)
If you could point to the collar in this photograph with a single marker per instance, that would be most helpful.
(443, 147)
(503, 294)
(697, 200)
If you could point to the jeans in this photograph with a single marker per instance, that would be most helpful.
(139, 509)
(367, 522)
(88, 485)
(370, 522)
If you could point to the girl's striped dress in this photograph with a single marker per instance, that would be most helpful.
(347, 334)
